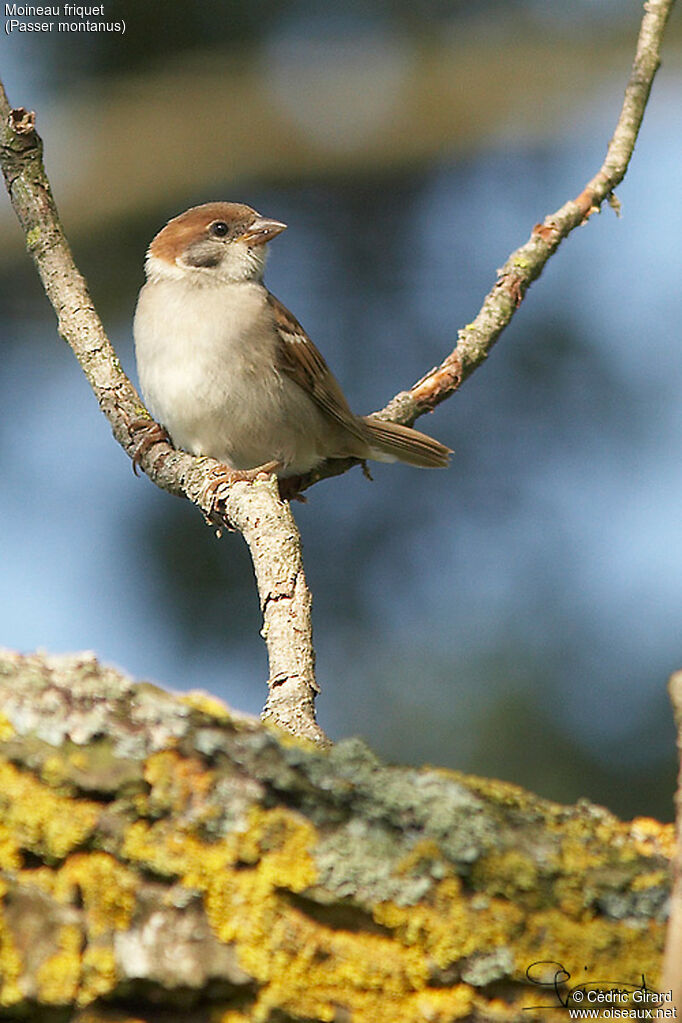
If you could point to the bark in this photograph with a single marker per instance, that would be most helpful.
(164, 858)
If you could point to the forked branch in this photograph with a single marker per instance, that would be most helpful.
(254, 508)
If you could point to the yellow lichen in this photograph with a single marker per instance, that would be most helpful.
(108, 1015)
(452, 925)
(6, 728)
(106, 887)
(652, 879)
(54, 771)
(440, 1006)
(179, 784)
(197, 699)
(306, 968)
(280, 841)
(500, 793)
(58, 978)
(424, 854)
(300, 964)
(99, 973)
(10, 857)
(510, 873)
(651, 838)
(230, 1016)
(41, 820)
(11, 966)
(79, 759)
(42, 878)
(250, 879)
(591, 947)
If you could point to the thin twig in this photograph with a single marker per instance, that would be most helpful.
(525, 264)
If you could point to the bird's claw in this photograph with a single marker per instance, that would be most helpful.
(222, 475)
(151, 433)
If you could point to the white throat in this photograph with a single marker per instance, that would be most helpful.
(239, 263)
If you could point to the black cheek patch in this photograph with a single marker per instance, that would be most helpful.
(204, 254)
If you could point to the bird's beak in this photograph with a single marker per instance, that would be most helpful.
(261, 231)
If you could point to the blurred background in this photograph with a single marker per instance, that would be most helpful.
(517, 615)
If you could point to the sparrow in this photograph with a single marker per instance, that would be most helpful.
(230, 373)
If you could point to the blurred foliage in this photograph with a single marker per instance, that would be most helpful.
(161, 31)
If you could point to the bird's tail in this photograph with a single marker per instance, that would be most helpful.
(391, 442)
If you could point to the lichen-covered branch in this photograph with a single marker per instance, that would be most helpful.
(255, 509)
(157, 851)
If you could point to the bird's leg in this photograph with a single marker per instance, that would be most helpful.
(151, 433)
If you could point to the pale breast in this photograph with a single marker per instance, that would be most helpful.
(207, 362)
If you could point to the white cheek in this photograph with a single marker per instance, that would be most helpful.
(242, 262)
(160, 270)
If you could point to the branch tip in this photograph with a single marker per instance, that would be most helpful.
(22, 121)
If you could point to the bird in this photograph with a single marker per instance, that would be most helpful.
(230, 373)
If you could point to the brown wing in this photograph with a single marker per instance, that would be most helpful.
(301, 361)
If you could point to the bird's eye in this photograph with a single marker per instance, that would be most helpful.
(218, 229)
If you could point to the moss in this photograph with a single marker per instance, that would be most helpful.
(32, 238)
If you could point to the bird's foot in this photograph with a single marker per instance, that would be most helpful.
(151, 433)
(222, 475)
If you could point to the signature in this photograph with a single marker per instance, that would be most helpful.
(547, 973)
